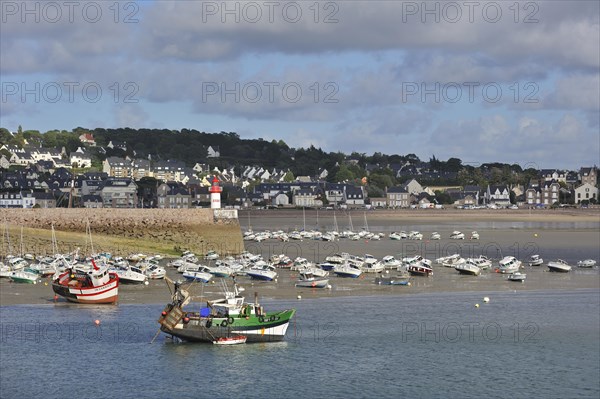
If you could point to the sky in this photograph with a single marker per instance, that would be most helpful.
(484, 81)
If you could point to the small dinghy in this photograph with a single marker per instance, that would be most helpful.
(517, 276)
(235, 340)
(586, 263)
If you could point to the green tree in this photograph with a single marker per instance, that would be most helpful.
(5, 136)
(289, 177)
(344, 174)
(443, 197)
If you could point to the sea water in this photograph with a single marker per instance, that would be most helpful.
(519, 344)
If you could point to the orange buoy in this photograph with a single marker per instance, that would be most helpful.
(97, 322)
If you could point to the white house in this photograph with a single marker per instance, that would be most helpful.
(498, 194)
(81, 159)
(4, 162)
(413, 187)
(586, 191)
(213, 152)
(398, 197)
(23, 199)
(87, 138)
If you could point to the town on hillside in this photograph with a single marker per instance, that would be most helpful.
(126, 168)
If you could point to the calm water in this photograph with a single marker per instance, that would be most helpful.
(525, 344)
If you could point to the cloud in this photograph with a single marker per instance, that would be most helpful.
(132, 116)
(575, 92)
(529, 140)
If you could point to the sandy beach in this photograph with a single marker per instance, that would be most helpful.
(570, 235)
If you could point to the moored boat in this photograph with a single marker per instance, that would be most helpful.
(435, 236)
(262, 272)
(347, 270)
(559, 266)
(130, 275)
(234, 340)
(535, 260)
(517, 276)
(509, 264)
(24, 276)
(97, 285)
(222, 318)
(457, 235)
(198, 275)
(393, 280)
(469, 268)
(390, 262)
(586, 263)
(310, 281)
(420, 269)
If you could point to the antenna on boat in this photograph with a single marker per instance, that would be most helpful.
(88, 232)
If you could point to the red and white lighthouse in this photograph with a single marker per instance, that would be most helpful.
(215, 194)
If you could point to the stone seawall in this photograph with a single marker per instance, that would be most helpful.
(169, 229)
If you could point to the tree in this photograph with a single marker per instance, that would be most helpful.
(443, 197)
(289, 177)
(380, 180)
(344, 174)
(5, 136)
(513, 197)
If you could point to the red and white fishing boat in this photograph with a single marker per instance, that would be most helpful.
(234, 340)
(97, 285)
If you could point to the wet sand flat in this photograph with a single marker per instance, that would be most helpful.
(553, 235)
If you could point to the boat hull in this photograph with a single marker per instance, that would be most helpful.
(106, 294)
(347, 274)
(391, 281)
(559, 269)
(269, 328)
(23, 280)
(420, 271)
(312, 283)
(261, 277)
(468, 272)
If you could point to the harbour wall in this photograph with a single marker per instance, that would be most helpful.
(166, 230)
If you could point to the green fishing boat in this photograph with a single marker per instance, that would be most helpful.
(222, 318)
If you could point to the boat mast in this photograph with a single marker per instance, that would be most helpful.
(54, 243)
(335, 225)
(88, 232)
(71, 193)
(304, 217)
(21, 248)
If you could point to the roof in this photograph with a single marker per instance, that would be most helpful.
(91, 198)
(397, 189)
(114, 182)
(113, 161)
(43, 196)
